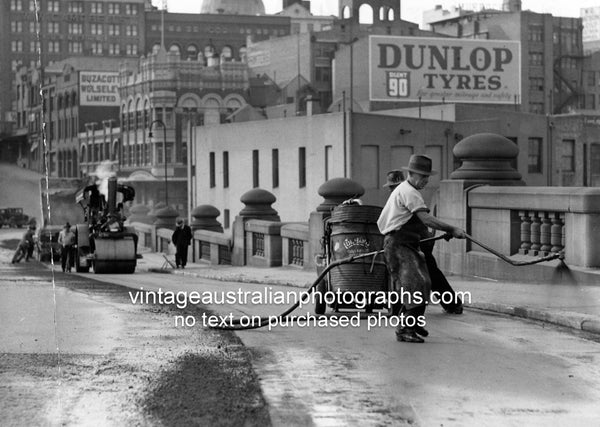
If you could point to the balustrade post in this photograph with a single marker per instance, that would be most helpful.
(525, 232)
(545, 233)
(556, 233)
(535, 233)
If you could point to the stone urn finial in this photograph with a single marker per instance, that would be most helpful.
(258, 205)
(139, 213)
(165, 217)
(336, 190)
(205, 218)
(486, 157)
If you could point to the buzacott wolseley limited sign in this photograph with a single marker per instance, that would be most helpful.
(99, 88)
(450, 70)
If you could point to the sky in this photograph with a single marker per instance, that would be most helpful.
(411, 10)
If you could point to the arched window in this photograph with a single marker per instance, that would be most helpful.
(382, 13)
(175, 49)
(192, 52)
(209, 51)
(243, 53)
(75, 167)
(346, 12)
(227, 52)
(212, 114)
(82, 158)
(365, 14)
(155, 48)
(115, 150)
(391, 15)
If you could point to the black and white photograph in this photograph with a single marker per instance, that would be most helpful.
(299, 213)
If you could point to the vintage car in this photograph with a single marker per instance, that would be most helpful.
(46, 242)
(14, 217)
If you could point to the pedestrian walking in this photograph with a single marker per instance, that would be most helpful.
(66, 238)
(439, 284)
(26, 245)
(181, 238)
(404, 221)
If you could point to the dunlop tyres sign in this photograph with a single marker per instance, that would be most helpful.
(451, 70)
(99, 89)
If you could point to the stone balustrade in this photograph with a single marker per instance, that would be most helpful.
(537, 221)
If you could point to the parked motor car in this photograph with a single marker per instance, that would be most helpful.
(14, 217)
(46, 242)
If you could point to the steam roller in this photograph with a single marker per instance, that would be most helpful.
(103, 242)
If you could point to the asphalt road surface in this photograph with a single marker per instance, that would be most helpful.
(474, 369)
(75, 351)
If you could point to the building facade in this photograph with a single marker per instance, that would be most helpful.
(65, 28)
(159, 102)
(292, 157)
(551, 52)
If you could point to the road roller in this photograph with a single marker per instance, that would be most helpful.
(104, 243)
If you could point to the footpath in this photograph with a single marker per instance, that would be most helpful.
(563, 303)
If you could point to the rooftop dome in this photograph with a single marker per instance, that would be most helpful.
(233, 7)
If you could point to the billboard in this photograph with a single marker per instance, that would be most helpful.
(450, 70)
(99, 89)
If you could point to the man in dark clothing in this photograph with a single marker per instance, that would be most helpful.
(439, 283)
(182, 237)
(404, 221)
(66, 239)
(26, 245)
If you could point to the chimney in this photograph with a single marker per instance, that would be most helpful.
(511, 5)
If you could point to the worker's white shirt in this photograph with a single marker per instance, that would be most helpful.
(404, 201)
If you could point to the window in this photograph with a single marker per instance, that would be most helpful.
(536, 33)
(75, 47)
(568, 155)
(16, 5)
(16, 26)
(275, 166)
(32, 5)
(536, 58)
(97, 29)
(302, 167)
(75, 28)
(53, 47)
(113, 9)
(34, 27)
(591, 78)
(132, 49)
(131, 30)
(328, 161)
(34, 46)
(75, 7)
(53, 6)
(114, 49)
(255, 171)
(113, 29)
(535, 155)
(536, 84)
(16, 46)
(225, 169)
(226, 220)
(97, 48)
(96, 7)
(212, 170)
(131, 9)
(53, 28)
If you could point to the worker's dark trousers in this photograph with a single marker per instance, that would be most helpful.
(411, 317)
(66, 258)
(181, 255)
(440, 284)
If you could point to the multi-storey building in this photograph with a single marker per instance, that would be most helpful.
(61, 29)
(590, 18)
(79, 93)
(551, 52)
(166, 95)
(210, 36)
